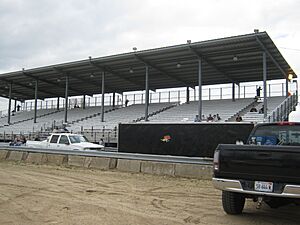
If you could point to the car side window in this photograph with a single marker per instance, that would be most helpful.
(54, 138)
(63, 139)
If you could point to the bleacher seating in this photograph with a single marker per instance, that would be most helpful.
(257, 117)
(159, 112)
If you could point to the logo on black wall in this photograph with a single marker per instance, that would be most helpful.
(166, 138)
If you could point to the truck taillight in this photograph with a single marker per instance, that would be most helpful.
(216, 160)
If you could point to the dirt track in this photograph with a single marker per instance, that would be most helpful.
(32, 194)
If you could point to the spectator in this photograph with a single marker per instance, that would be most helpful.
(218, 117)
(18, 108)
(209, 118)
(261, 109)
(253, 109)
(126, 102)
(196, 118)
(203, 117)
(258, 92)
(238, 118)
(101, 142)
(215, 119)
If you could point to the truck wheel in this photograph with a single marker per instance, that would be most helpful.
(233, 203)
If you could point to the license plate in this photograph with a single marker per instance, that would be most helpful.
(263, 186)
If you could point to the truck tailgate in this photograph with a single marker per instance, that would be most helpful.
(265, 163)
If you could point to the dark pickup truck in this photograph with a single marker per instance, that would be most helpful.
(265, 169)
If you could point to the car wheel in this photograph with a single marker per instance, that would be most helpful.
(233, 203)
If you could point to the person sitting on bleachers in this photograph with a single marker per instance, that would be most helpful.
(253, 109)
(196, 118)
(218, 117)
(215, 119)
(261, 111)
(203, 117)
(210, 118)
(238, 118)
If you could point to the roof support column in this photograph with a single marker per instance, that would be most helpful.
(83, 103)
(9, 103)
(66, 98)
(265, 83)
(102, 97)
(35, 100)
(147, 93)
(114, 100)
(187, 95)
(287, 87)
(15, 108)
(200, 89)
(233, 92)
(57, 107)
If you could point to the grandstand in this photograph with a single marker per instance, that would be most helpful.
(256, 58)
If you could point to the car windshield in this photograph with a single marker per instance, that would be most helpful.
(276, 135)
(77, 139)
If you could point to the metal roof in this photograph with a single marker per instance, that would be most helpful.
(169, 67)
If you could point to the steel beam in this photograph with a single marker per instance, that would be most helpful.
(114, 73)
(162, 71)
(187, 95)
(200, 89)
(102, 96)
(83, 103)
(9, 103)
(147, 92)
(57, 107)
(263, 47)
(233, 92)
(287, 87)
(204, 59)
(265, 83)
(35, 100)
(114, 100)
(66, 98)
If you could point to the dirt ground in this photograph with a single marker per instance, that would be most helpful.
(31, 194)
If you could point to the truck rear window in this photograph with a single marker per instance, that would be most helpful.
(276, 135)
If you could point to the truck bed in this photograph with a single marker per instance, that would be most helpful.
(261, 163)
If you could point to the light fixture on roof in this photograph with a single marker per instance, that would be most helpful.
(130, 70)
(178, 65)
(256, 31)
(6, 87)
(235, 58)
(188, 41)
(58, 80)
(30, 84)
(92, 75)
(134, 48)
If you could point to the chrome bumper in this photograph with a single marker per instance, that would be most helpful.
(289, 191)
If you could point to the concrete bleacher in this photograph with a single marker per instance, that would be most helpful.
(257, 117)
(187, 112)
(122, 115)
(85, 119)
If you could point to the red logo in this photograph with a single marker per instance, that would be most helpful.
(166, 138)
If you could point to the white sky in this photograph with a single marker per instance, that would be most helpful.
(37, 33)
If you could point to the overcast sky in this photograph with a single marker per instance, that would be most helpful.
(37, 33)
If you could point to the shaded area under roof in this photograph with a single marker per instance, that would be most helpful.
(169, 67)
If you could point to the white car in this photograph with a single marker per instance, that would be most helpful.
(65, 141)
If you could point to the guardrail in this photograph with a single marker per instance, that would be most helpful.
(116, 155)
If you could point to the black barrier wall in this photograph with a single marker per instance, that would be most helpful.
(193, 139)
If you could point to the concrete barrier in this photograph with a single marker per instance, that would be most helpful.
(35, 158)
(193, 171)
(74, 160)
(15, 156)
(102, 163)
(56, 159)
(3, 154)
(158, 168)
(126, 165)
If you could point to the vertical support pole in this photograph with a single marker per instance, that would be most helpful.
(269, 90)
(102, 97)
(286, 87)
(147, 93)
(239, 91)
(9, 103)
(233, 92)
(200, 89)
(169, 98)
(35, 100)
(178, 96)
(66, 98)
(114, 100)
(244, 91)
(187, 95)
(83, 103)
(221, 93)
(265, 83)
(209, 93)
(159, 97)
(15, 108)
(57, 107)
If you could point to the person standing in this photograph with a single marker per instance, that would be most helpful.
(258, 90)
